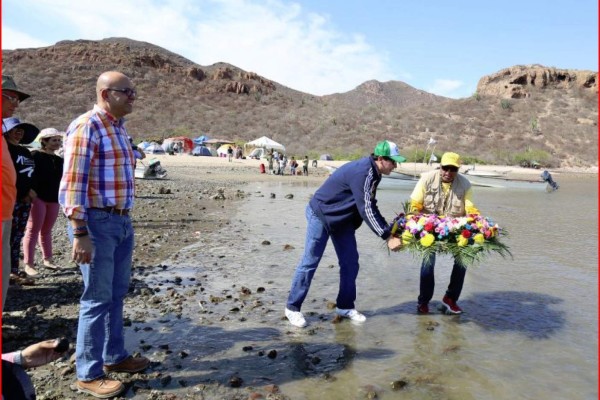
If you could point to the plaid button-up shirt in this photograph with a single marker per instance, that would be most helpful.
(99, 165)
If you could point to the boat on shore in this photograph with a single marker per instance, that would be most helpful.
(544, 182)
(485, 174)
(400, 180)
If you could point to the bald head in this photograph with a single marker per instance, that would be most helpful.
(111, 93)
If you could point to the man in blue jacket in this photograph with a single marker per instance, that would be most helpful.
(336, 210)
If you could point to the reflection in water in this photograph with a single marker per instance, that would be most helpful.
(534, 315)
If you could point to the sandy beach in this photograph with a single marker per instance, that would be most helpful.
(193, 204)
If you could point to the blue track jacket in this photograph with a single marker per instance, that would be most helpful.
(348, 197)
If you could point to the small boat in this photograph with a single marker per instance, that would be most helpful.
(401, 175)
(399, 180)
(396, 180)
(485, 174)
(545, 182)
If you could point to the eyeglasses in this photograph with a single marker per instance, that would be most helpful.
(450, 168)
(390, 160)
(128, 91)
(13, 100)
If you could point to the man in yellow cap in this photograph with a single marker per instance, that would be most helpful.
(442, 192)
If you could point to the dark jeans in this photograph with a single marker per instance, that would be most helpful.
(457, 278)
(344, 243)
(19, 223)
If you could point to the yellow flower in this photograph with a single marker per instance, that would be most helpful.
(462, 241)
(407, 236)
(479, 238)
(422, 221)
(427, 240)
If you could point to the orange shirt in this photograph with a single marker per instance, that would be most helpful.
(9, 179)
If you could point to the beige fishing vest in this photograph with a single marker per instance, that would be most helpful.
(453, 204)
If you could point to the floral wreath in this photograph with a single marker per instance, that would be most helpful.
(468, 239)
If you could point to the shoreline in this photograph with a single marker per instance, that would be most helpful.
(407, 167)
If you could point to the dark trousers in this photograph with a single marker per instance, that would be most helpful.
(19, 223)
(427, 285)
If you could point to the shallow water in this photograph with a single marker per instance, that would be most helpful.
(529, 330)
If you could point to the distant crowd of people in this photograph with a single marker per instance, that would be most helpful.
(278, 162)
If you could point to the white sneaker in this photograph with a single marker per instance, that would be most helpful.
(351, 314)
(296, 318)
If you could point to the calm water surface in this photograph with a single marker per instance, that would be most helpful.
(529, 330)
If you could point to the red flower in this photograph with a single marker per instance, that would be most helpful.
(466, 234)
(429, 227)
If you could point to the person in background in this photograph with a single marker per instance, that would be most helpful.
(293, 165)
(44, 209)
(270, 158)
(138, 152)
(16, 134)
(305, 166)
(97, 194)
(281, 165)
(230, 153)
(443, 192)
(16, 384)
(336, 211)
(11, 98)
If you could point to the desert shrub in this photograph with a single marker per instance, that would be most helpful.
(531, 157)
(505, 104)
(472, 160)
(339, 154)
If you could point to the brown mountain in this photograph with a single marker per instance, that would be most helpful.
(548, 113)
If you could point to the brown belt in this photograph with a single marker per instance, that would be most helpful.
(112, 210)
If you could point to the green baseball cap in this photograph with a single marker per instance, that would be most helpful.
(388, 149)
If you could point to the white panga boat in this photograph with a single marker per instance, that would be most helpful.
(545, 182)
(399, 180)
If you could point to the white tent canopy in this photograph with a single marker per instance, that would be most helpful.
(266, 143)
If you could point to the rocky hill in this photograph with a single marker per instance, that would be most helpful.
(549, 113)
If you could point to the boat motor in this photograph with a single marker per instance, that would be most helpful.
(547, 177)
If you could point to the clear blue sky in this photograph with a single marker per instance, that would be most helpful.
(328, 46)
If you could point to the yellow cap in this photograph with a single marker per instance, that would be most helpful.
(450, 159)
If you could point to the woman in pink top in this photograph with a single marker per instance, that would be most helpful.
(44, 209)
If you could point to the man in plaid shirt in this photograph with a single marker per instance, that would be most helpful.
(96, 193)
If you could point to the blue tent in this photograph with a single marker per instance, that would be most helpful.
(201, 151)
(200, 139)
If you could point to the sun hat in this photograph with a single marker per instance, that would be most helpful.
(8, 83)
(30, 130)
(388, 149)
(48, 133)
(451, 159)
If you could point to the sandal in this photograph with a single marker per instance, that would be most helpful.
(50, 265)
(30, 271)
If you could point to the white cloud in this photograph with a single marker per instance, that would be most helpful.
(277, 40)
(447, 87)
(12, 39)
